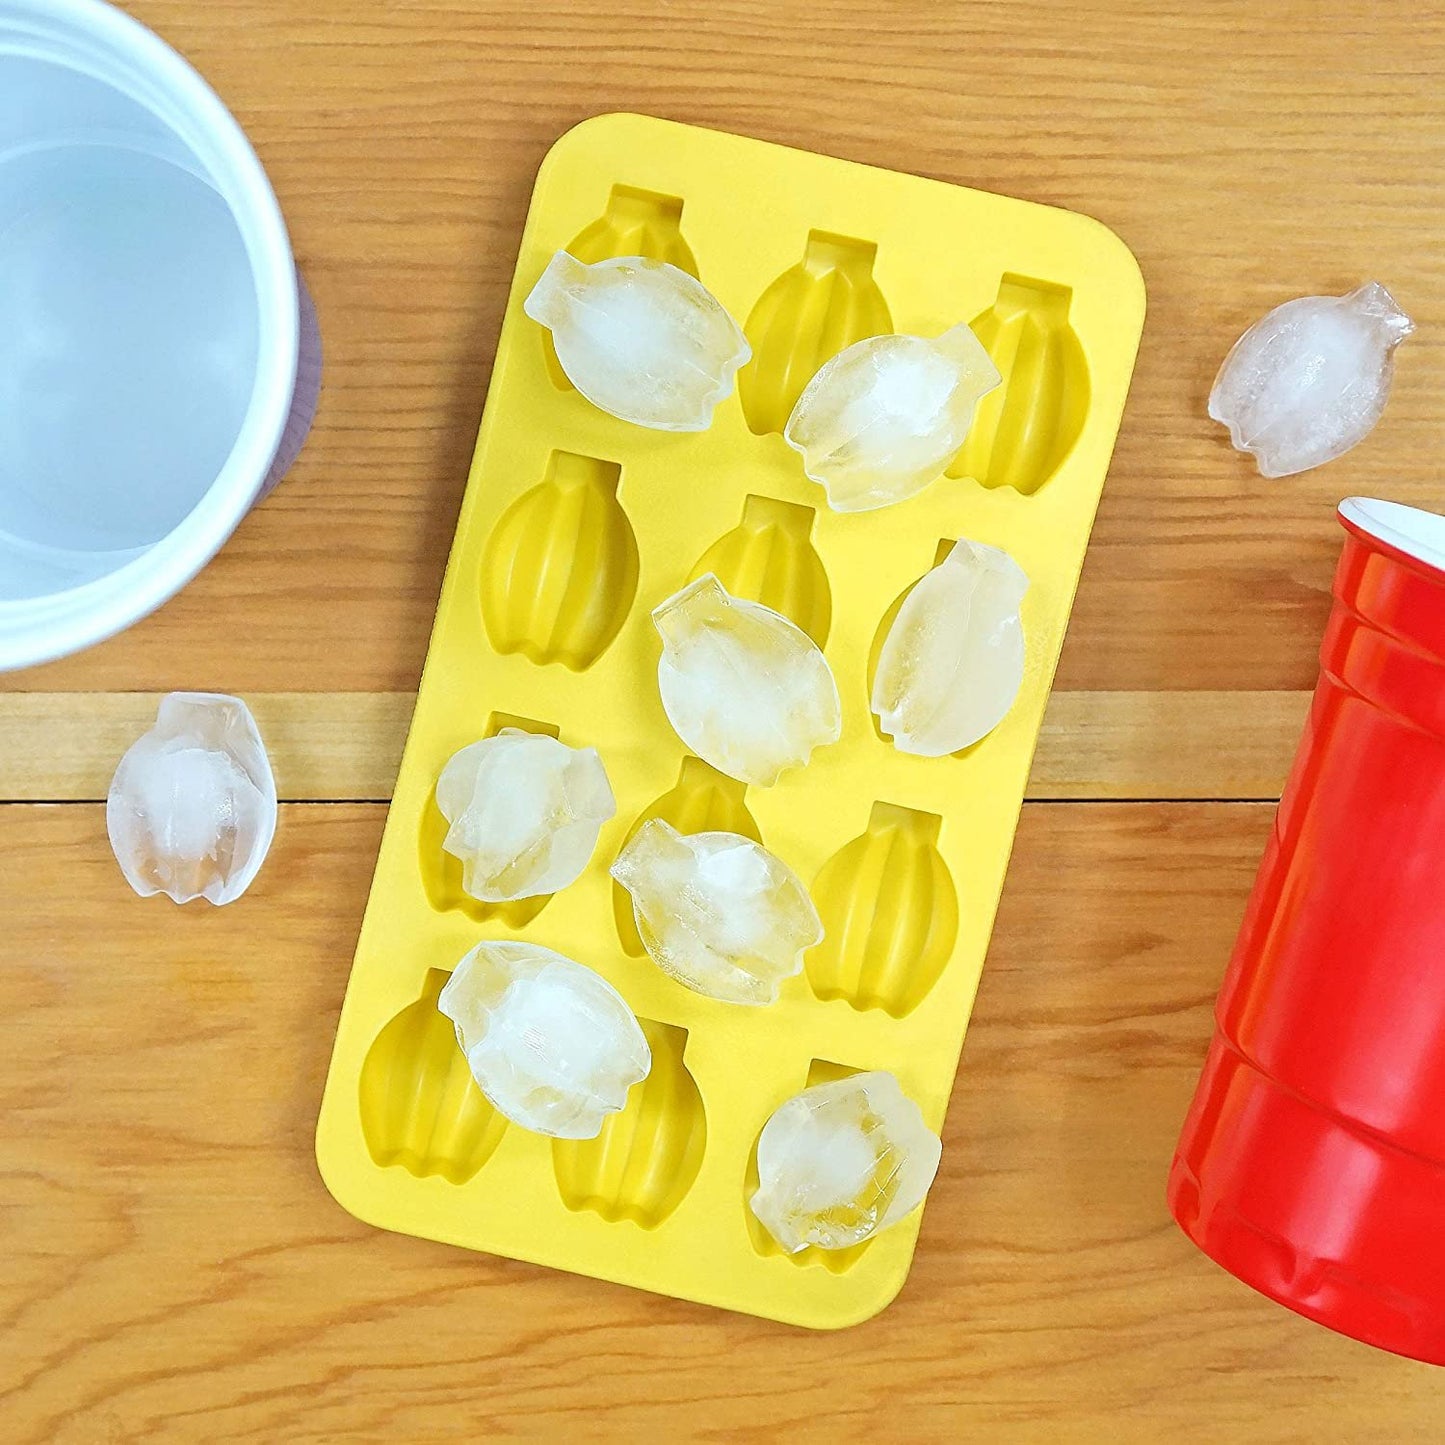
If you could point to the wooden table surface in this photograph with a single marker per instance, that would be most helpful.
(174, 1269)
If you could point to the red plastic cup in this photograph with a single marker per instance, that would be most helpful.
(1312, 1162)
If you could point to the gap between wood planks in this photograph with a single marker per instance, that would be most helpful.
(346, 746)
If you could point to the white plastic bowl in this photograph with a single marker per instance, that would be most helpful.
(151, 321)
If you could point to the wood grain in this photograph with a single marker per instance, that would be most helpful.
(1246, 152)
(63, 747)
(175, 1271)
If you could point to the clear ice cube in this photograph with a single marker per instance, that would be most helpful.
(551, 1043)
(884, 417)
(716, 911)
(953, 660)
(192, 806)
(1309, 380)
(525, 811)
(842, 1160)
(743, 687)
(640, 339)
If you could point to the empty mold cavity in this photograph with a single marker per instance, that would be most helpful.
(441, 871)
(645, 1159)
(1025, 428)
(808, 315)
(820, 1071)
(703, 800)
(420, 1107)
(635, 223)
(559, 571)
(890, 914)
(769, 558)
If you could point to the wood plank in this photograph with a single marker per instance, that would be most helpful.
(63, 747)
(175, 1270)
(1166, 745)
(1246, 152)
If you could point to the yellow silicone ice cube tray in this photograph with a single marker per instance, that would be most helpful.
(574, 526)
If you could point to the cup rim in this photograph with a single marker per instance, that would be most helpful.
(1411, 534)
(35, 630)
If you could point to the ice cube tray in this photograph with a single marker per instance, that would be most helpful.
(573, 527)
